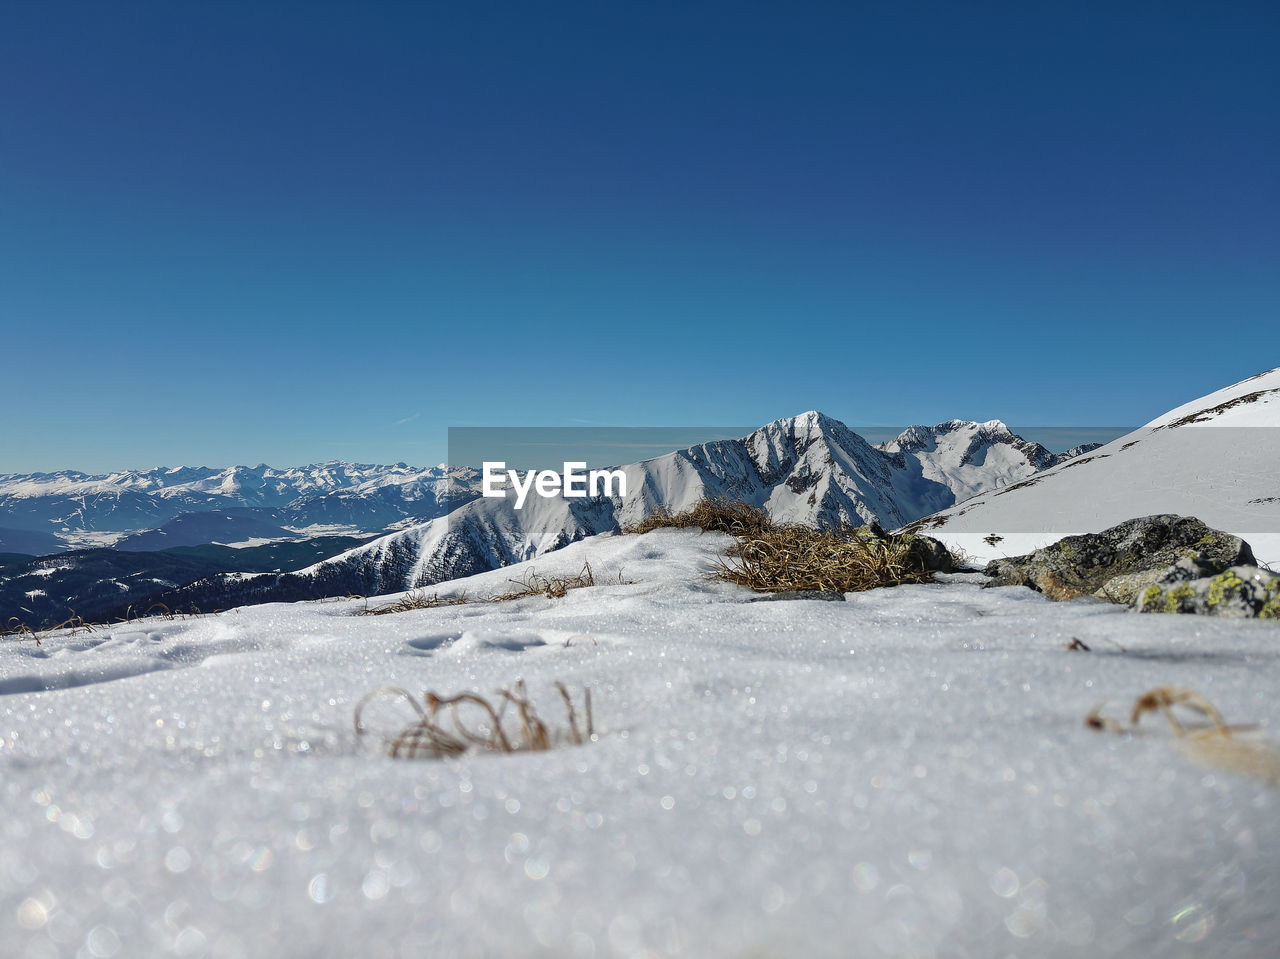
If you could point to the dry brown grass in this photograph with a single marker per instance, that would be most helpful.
(772, 557)
(477, 723)
(78, 624)
(74, 624)
(1215, 744)
(716, 514)
(158, 611)
(532, 583)
(843, 561)
(414, 599)
(554, 587)
(15, 627)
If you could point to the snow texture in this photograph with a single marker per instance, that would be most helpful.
(906, 773)
(1216, 458)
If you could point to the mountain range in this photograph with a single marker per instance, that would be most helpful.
(70, 509)
(808, 469)
(978, 486)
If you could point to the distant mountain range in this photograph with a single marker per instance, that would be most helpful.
(255, 503)
(170, 528)
(974, 485)
(808, 469)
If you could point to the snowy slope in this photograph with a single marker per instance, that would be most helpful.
(809, 469)
(903, 774)
(1217, 458)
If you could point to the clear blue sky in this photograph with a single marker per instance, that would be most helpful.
(237, 232)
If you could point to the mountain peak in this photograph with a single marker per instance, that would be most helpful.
(809, 419)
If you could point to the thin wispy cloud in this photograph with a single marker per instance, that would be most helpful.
(408, 419)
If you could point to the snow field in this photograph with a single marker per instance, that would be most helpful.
(903, 774)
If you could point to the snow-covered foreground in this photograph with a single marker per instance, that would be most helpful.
(903, 774)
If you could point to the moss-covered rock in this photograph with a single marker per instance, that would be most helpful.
(1119, 563)
(1241, 592)
(1224, 587)
(1271, 602)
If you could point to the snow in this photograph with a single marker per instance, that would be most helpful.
(105, 508)
(808, 469)
(92, 539)
(970, 458)
(316, 530)
(1262, 410)
(183, 480)
(1221, 468)
(905, 773)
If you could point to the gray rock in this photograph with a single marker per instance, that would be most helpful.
(1119, 563)
(930, 553)
(1125, 588)
(1190, 586)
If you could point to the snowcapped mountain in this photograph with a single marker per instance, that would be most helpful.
(809, 469)
(83, 509)
(969, 458)
(1216, 458)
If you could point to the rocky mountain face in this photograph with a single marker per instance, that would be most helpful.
(808, 469)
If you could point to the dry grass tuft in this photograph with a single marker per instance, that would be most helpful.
(75, 624)
(553, 587)
(716, 514)
(15, 627)
(158, 611)
(772, 557)
(787, 558)
(531, 584)
(415, 599)
(1215, 744)
(1162, 699)
(78, 624)
(476, 723)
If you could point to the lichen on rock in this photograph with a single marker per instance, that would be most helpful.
(1119, 563)
(1240, 592)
